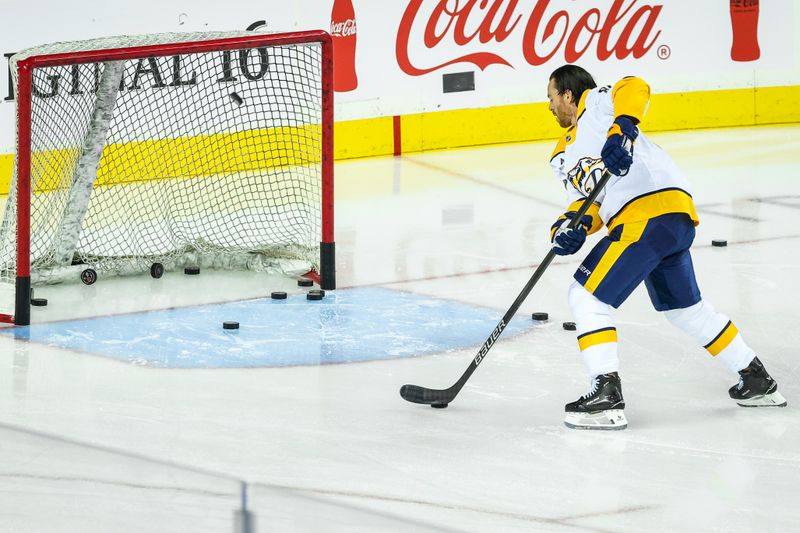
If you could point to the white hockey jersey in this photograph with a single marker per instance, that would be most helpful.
(652, 187)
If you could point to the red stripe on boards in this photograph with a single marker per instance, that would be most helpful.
(398, 142)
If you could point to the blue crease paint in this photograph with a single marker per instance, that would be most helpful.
(351, 325)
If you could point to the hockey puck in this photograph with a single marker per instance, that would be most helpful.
(156, 270)
(439, 405)
(540, 316)
(88, 276)
(230, 325)
(278, 295)
(569, 326)
(313, 295)
(317, 291)
(719, 242)
(305, 283)
(39, 302)
(191, 271)
(238, 100)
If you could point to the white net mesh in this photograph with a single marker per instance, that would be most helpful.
(211, 159)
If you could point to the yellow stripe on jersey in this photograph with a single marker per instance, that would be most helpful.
(569, 135)
(567, 138)
(631, 233)
(631, 96)
(582, 105)
(593, 211)
(614, 130)
(722, 340)
(596, 337)
(655, 204)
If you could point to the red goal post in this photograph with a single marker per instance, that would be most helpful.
(279, 160)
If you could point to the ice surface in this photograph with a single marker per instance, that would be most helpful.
(338, 449)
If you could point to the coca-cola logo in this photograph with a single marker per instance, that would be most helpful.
(621, 28)
(343, 29)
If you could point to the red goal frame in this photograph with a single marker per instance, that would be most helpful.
(327, 275)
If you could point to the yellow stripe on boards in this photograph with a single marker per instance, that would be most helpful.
(183, 157)
(363, 138)
(477, 127)
(209, 155)
(630, 234)
(6, 170)
(533, 121)
(599, 337)
(774, 105)
(722, 342)
(702, 109)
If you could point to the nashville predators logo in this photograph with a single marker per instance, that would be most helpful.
(585, 175)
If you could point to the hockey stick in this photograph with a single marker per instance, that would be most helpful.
(442, 397)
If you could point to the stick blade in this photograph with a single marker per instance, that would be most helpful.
(417, 394)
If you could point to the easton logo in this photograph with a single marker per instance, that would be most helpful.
(490, 342)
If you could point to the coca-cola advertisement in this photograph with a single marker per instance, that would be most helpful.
(395, 58)
(536, 33)
(744, 29)
(433, 35)
(513, 45)
(344, 35)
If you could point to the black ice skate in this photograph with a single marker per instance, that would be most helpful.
(756, 388)
(600, 408)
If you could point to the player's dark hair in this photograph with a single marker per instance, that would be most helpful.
(574, 79)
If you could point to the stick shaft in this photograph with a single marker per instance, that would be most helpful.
(537, 274)
(448, 395)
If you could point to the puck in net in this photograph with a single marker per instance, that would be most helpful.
(88, 276)
(238, 100)
(156, 270)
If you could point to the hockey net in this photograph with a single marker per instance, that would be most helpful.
(212, 150)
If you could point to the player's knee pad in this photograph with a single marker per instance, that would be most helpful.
(589, 312)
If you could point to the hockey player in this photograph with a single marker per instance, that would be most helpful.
(650, 217)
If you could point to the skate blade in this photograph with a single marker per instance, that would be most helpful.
(775, 399)
(613, 419)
